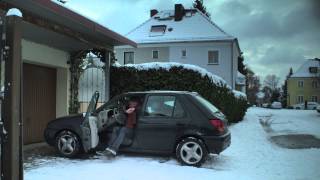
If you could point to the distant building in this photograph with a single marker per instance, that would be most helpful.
(185, 36)
(304, 84)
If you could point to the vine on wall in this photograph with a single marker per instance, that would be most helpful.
(77, 66)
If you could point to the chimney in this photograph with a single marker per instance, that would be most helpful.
(153, 12)
(179, 12)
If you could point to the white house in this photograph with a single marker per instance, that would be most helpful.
(185, 36)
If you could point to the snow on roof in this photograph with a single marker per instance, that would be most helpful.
(240, 75)
(260, 95)
(241, 79)
(195, 26)
(217, 80)
(304, 71)
(14, 12)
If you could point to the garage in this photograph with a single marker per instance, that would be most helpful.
(45, 44)
(39, 105)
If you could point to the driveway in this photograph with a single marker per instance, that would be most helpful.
(252, 155)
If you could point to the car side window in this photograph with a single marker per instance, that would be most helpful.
(160, 106)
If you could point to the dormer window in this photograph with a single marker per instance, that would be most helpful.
(158, 30)
(313, 70)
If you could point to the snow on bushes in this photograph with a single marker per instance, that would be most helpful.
(179, 77)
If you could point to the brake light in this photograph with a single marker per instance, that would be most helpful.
(218, 124)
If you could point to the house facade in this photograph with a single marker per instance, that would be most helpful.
(304, 84)
(185, 36)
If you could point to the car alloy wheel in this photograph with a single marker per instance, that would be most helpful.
(191, 152)
(67, 143)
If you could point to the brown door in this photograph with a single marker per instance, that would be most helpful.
(39, 103)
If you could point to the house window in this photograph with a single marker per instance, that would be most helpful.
(300, 99)
(315, 84)
(158, 30)
(300, 83)
(155, 54)
(313, 70)
(213, 57)
(314, 98)
(183, 53)
(128, 58)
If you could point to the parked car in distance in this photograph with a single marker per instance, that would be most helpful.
(276, 105)
(310, 105)
(318, 108)
(265, 105)
(168, 122)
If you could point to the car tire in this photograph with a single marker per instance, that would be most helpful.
(68, 144)
(191, 152)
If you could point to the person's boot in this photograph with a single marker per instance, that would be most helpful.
(111, 152)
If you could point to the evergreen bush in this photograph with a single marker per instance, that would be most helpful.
(126, 79)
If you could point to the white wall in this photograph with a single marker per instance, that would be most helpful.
(43, 55)
(62, 99)
(197, 54)
(143, 54)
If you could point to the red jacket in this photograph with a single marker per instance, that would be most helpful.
(131, 120)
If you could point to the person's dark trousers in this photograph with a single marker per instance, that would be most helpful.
(117, 137)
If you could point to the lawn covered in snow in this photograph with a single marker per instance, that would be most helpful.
(250, 156)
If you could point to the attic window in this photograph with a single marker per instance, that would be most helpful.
(313, 70)
(158, 30)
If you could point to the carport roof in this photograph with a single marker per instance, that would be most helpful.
(53, 12)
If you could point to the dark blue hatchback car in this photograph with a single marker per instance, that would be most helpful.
(168, 122)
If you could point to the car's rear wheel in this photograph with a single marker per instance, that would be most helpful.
(191, 152)
(68, 144)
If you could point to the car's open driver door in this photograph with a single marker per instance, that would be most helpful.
(89, 128)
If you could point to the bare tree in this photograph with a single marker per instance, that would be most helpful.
(198, 4)
(62, 1)
(271, 81)
(252, 86)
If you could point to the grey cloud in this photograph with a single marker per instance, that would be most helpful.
(273, 34)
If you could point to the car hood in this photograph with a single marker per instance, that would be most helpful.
(74, 119)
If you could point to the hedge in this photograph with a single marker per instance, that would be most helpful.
(177, 77)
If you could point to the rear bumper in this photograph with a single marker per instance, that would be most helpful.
(216, 144)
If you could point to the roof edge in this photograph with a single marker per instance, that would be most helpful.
(60, 10)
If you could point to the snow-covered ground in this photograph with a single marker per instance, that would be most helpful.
(250, 156)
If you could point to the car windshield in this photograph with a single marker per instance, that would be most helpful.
(108, 104)
(207, 104)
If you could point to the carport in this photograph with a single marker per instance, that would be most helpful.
(43, 50)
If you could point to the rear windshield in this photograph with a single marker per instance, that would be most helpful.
(206, 103)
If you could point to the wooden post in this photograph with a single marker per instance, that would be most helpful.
(12, 154)
(107, 75)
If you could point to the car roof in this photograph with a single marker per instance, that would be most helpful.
(162, 92)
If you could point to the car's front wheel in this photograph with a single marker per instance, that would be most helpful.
(68, 144)
(191, 152)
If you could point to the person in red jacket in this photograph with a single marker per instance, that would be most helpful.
(119, 132)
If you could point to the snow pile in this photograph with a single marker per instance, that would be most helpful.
(217, 80)
(14, 12)
(239, 94)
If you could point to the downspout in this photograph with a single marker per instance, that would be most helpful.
(232, 79)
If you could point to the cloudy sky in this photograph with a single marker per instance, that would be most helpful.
(274, 35)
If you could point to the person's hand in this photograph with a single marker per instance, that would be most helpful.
(130, 110)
